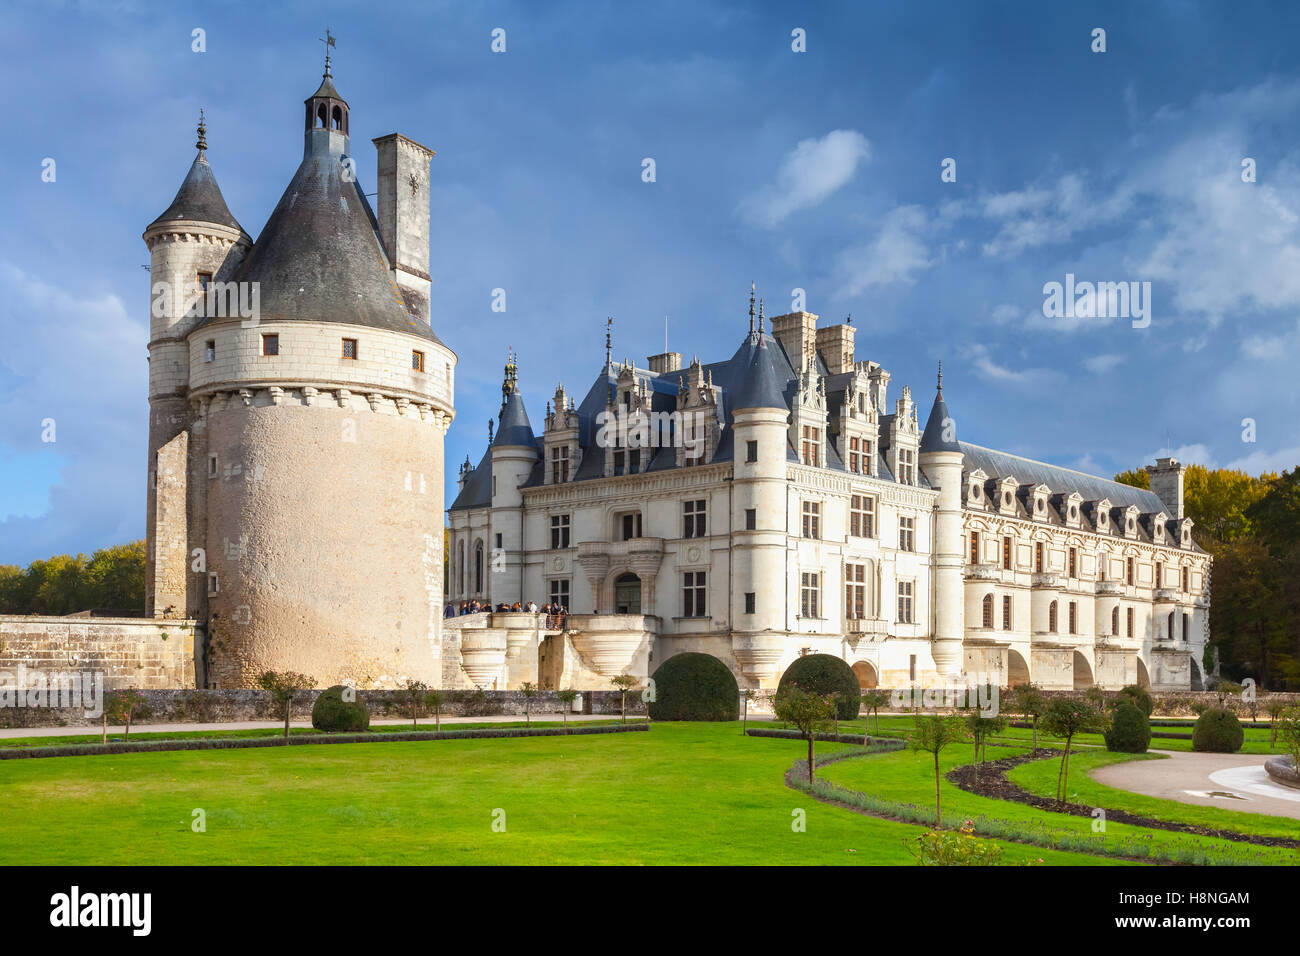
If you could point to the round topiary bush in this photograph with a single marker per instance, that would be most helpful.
(1217, 731)
(1130, 730)
(333, 714)
(694, 686)
(824, 674)
(1137, 695)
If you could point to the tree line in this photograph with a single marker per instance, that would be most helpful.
(1251, 526)
(110, 579)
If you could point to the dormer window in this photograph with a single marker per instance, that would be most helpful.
(810, 445)
(907, 466)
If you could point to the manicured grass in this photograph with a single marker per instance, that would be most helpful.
(1040, 777)
(681, 794)
(908, 777)
(424, 725)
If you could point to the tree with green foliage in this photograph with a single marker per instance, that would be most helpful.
(746, 696)
(1139, 697)
(1288, 724)
(434, 700)
(1066, 718)
(873, 700)
(120, 708)
(1276, 707)
(1029, 702)
(809, 712)
(826, 674)
(933, 733)
(284, 686)
(981, 726)
(1130, 729)
(415, 692)
(1217, 731)
(624, 683)
(111, 578)
(529, 690)
(566, 698)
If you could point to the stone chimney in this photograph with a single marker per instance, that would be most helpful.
(797, 333)
(665, 362)
(402, 207)
(1167, 484)
(835, 345)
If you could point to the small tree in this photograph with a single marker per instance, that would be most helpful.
(434, 700)
(1288, 725)
(120, 707)
(746, 696)
(416, 694)
(981, 728)
(933, 733)
(284, 686)
(1066, 718)
(529, 690)
(1028, 701)
(1276, 708)
(873, 700)
(567, 697)
(624, 683)
(808, 712)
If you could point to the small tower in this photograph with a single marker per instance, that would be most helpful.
(196, 246)
(514, 453)
(563, 452)
(941, 459)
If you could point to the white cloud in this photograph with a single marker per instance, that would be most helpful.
(991, 370)
(811, 172)
(1258, 462)
(898, 252)
(1101, 364)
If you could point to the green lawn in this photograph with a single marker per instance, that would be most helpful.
(680, 794)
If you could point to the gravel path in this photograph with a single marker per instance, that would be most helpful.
(1231, 781)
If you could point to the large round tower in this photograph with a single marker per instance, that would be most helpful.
(317, 414)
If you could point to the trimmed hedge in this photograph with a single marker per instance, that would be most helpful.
(694, 686)
(1218, 731)
(1130, 730)
(332, 714)
(824, 674)
(1139, 696)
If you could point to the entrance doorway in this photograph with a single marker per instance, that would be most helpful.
(627, 594)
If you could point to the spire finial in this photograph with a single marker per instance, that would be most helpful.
(940, 375)
(609, 342)
(760, 316)
(489, 431)
(202, 144)
(751, 308)
(328, 39)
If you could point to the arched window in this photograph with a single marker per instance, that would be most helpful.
(1187, 620)
(988, 611)
(478, 568)
(1051, 618)
(320, 117)
(1114, 621)
(460, 569)
(1171, 625)
(338, 119)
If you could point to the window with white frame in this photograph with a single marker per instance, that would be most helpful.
(559, 531)
(907, 466)
(810, 593)
(856, 604)
(810, 445)
(812, 519)
(905, 598)
(559, 464)
(906, 534)
(694, 592)
(862, 516)
(694, 524)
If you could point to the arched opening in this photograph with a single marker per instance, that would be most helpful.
(478, 567)
(1051, 618)
(868, 679)
(320, 117)
(1017, 669)
(1197, 682)
(1144, 679)
(1171, 625)
(1082, 672)
(1187, 620)
(988, 612)
(1114, 621)
(338, 119)
(627, 594)
(460, 569)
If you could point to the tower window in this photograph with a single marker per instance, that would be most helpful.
(988, 612)
(209, 350)
(751, 451)
(338, 118)
(1006, 612)
(214, 583)
(320, 117)
(1051, 617)
(349, 348)
(749, 602)
(212, 466)
(270, 345)
(751, 519)
(417, 361)
(203, 280)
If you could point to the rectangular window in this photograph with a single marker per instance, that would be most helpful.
(559, 464)
(1129, 621)
(810, 593)
(1074, 562)
(868, 457)
(618, 463)
(417, 361)
(349, 348)
(974, 547)
(810, 446)
(862, 516)
(634, 461)
(906, 534)
(1074, 617)
(559, 531)
(631, 524)
(214, 584)
(212, 466)
(1038, 557)
(750, 602)
(812, 519)
(693, 593)
(203, 280)
(560, 592)
(1006, 612)
(270, 345)
(210, 350)
(855, 591)
(498, 541)
(905, 602)
(907, 466)
(858, 455)
(751, 451)
(911, 667)
(1187, 579)
(1006, 554)
(751, 519)
(1129, 572)
(693, 519)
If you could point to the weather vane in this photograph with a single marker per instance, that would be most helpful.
(328, 39)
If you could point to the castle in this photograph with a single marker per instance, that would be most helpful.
(775, 504)
(298, 403)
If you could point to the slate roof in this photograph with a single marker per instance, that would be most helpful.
(513, 425)
(199, 199)
(932, 439)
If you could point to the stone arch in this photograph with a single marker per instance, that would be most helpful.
(337, 119)
(1143, 678)
(322, 120)
(868, 678)
(1197, 682)
(1082, 672)
(627, 593)
(1017, 669)
(478, 566)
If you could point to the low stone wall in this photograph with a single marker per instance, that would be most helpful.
(127, 651)
(222, 706)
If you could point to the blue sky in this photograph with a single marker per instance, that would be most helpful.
(817, 170)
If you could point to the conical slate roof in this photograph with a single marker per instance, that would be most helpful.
(199, 199)
(513, 425)
(319, 257)
(764, 373)
(933, 438)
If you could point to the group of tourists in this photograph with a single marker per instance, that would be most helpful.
(551, 609)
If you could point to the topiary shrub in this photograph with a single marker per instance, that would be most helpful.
(332, 714)
(694, 686)
(1130, 730)
(1217, 731)
(1138, 696)
(825, 674)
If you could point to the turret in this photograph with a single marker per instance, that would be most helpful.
(941, 459)
(514, 453)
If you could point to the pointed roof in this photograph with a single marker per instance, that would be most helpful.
(764, 373)
(514, 427)
(199, 199)
(477, 492)
(934, 438)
